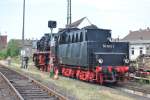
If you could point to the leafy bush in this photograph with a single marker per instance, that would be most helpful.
(11, 50)
(3, 54)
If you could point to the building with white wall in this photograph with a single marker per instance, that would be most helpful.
(139, 43)
(139, 47)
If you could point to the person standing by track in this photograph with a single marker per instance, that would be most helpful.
(26, 60)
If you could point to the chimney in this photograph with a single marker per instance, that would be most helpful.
(140, 30)
(130, 31)
(148, 29)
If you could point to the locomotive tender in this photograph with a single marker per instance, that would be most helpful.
(88, 54)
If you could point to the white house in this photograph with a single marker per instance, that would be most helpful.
(139, 43)
(139, 47)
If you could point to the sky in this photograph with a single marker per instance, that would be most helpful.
(120, 16)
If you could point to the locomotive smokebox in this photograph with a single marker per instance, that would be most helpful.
(52, 24)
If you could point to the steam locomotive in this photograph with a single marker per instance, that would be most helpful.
(87, 54)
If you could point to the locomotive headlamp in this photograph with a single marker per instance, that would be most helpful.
(100, 60)
(126, 60)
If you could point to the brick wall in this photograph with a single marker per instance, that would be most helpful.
(3, 42)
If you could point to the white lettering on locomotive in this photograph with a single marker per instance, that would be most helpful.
(108, 46)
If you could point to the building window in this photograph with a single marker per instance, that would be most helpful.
(147, 48)
(132, 52)
(141, 47)
(141, 52)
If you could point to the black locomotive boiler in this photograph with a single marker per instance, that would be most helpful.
(88, 54)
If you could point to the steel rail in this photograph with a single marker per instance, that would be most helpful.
(12, 87)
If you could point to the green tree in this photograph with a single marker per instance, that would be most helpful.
(13, 48)
(3, 54)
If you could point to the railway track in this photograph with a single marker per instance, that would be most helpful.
(7, 91)
(28, 88)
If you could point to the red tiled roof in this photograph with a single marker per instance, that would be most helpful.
(138, 35)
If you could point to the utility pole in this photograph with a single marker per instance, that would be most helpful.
(68, 13)
(22, 52)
